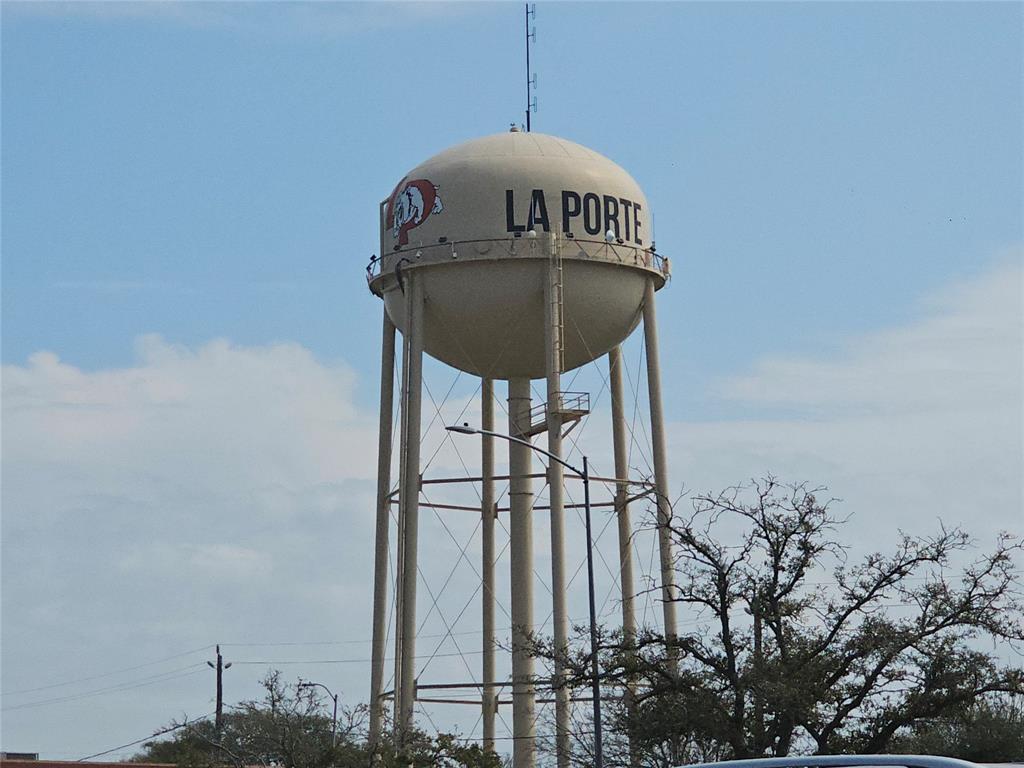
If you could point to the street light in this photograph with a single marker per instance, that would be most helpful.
(334, 717)
(583, 474)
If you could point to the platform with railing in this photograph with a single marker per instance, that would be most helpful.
(571, 249)
(572, 406)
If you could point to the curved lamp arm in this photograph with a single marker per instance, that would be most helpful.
(465, 429)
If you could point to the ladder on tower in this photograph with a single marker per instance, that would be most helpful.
(557, 304)
(568, 407)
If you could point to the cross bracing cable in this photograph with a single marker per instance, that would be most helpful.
(646, 593)
(464, 547)
(574, 447)
(634, 385)
(435, 600)
(449, 634)
(579, 567)
(447, 626)
(455, 565)
(437, 410)
(423, 711)
(472, 597)
(608, 521)
(454, 336)
(461, 556)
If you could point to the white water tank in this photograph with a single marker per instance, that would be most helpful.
(479, 226)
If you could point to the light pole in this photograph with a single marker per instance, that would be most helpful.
(584, 475)
(334, 717)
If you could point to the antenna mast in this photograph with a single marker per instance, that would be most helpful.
(531, 79)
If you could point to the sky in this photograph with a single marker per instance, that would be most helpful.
(190, 354)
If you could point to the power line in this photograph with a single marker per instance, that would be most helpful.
(146, 738)
(161, 678)
(106, 674)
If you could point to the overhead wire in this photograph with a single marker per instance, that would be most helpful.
(163, 732)
(107, 674)
(152, 680)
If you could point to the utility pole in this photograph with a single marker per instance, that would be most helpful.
(220, 666)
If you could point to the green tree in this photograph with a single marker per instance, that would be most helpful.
(290, 727)
(801, 651)
(990, 730)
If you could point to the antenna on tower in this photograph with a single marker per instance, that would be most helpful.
(531, 78)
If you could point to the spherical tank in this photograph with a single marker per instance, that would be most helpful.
(485, 225)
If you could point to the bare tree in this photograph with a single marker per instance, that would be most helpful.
(801, 651)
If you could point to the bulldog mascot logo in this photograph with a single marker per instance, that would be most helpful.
(410, 205)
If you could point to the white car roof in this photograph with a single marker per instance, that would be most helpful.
(844, 761)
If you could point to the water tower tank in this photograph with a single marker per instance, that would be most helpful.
(481, 223)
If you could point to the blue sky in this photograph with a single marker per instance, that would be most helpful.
(213, 171)
(839, 185)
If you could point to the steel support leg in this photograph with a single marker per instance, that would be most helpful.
(403, 429)
(619, 430)
(409, 501)
(489, 702)
(380, 564)
(521, 548)
(660, 468)
(627, 588)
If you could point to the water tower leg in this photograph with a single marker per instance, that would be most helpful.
(487, 509)
(380, 565)
(628, 590)
(660, 467)
(410, 500)
(521, 550)
(553, 340)
(400, 541)
(622, 494)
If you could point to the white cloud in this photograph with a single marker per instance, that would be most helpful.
(908, 425)
(965, 355)
(201, 495)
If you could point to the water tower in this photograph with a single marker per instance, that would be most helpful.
(516, 256)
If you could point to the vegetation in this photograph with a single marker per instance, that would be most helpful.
(990, 730)
(290, 727)
(795, 650)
